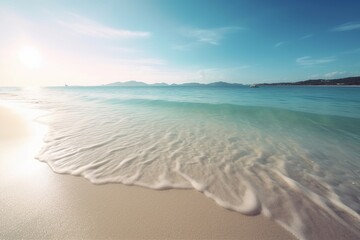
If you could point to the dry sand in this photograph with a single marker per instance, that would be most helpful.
(37, 203)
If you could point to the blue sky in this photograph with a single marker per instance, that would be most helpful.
(97, 42)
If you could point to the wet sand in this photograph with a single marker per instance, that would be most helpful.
(37, 203)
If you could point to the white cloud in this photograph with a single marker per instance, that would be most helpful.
(309, 61)
(211, 36)
(334, 74)
(205, 36)
(347, 27)
(279, 44)
(91, 28)
(329, 75)
(306, 36)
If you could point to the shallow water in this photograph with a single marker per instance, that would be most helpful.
(290, 153)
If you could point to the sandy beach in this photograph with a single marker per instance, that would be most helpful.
(37, 203)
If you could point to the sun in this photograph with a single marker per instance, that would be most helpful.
(30, 57)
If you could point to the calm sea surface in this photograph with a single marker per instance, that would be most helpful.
(290, 153)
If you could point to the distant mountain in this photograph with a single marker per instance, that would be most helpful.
(159, 84)
(224, 84)
(313, 82)
(193, 84)
(316, 82)
(127, 84)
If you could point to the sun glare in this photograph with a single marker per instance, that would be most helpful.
(30, 57)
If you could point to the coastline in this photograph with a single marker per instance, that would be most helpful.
(37, 203)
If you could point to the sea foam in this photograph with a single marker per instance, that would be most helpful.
(297, 167)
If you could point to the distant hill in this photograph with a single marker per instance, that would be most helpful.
(224, 84)
(127, 84)
(159, 84)
(194, 84)
(317, 82)
(314, 82)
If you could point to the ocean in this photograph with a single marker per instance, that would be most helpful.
(291, 153)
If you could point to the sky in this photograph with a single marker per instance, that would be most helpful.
(52, 43)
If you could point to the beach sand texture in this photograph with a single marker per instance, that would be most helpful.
(37, 203)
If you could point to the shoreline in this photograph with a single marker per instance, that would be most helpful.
(38, 203)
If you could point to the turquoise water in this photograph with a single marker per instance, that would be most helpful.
(289, 153)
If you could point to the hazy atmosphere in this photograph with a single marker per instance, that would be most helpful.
(49, 43)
